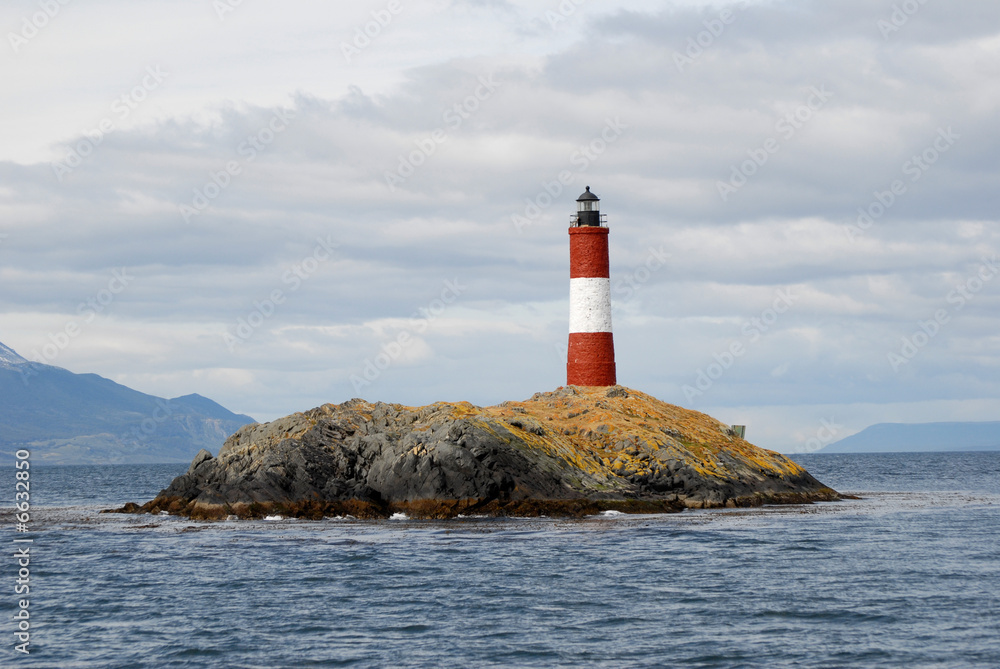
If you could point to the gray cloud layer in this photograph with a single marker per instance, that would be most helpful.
(839, 111)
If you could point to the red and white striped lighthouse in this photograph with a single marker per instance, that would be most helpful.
(591, 357)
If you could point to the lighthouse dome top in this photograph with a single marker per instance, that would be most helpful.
(589, 204)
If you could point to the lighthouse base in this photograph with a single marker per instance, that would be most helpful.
(591, 359)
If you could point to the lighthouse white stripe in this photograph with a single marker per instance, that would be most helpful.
(590, 305)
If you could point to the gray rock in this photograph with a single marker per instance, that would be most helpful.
(389, 457)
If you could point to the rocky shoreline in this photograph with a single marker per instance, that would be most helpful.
(571, 452)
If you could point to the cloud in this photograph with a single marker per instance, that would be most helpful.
(355, 191)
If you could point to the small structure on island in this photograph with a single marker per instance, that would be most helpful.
(590, 360)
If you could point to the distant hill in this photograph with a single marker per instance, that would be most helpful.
(920, 437)
(67, 418)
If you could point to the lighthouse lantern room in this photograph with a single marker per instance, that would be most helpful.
(588, 210)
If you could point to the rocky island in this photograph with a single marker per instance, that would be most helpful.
(574, 451)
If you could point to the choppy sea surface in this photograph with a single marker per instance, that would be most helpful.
(906, 576)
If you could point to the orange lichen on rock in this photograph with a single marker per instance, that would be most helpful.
(594, 427)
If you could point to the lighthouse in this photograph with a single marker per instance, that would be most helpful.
(590, 360)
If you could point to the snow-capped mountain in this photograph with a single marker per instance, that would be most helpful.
(67, 418)
(9, 358)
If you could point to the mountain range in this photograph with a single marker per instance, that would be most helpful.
(920, 437)
(66, 418)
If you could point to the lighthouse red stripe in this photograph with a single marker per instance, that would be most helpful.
(591, 359)
(588, 253)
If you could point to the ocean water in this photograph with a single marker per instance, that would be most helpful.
(907, 576)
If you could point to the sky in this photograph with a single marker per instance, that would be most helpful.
(279, 205)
